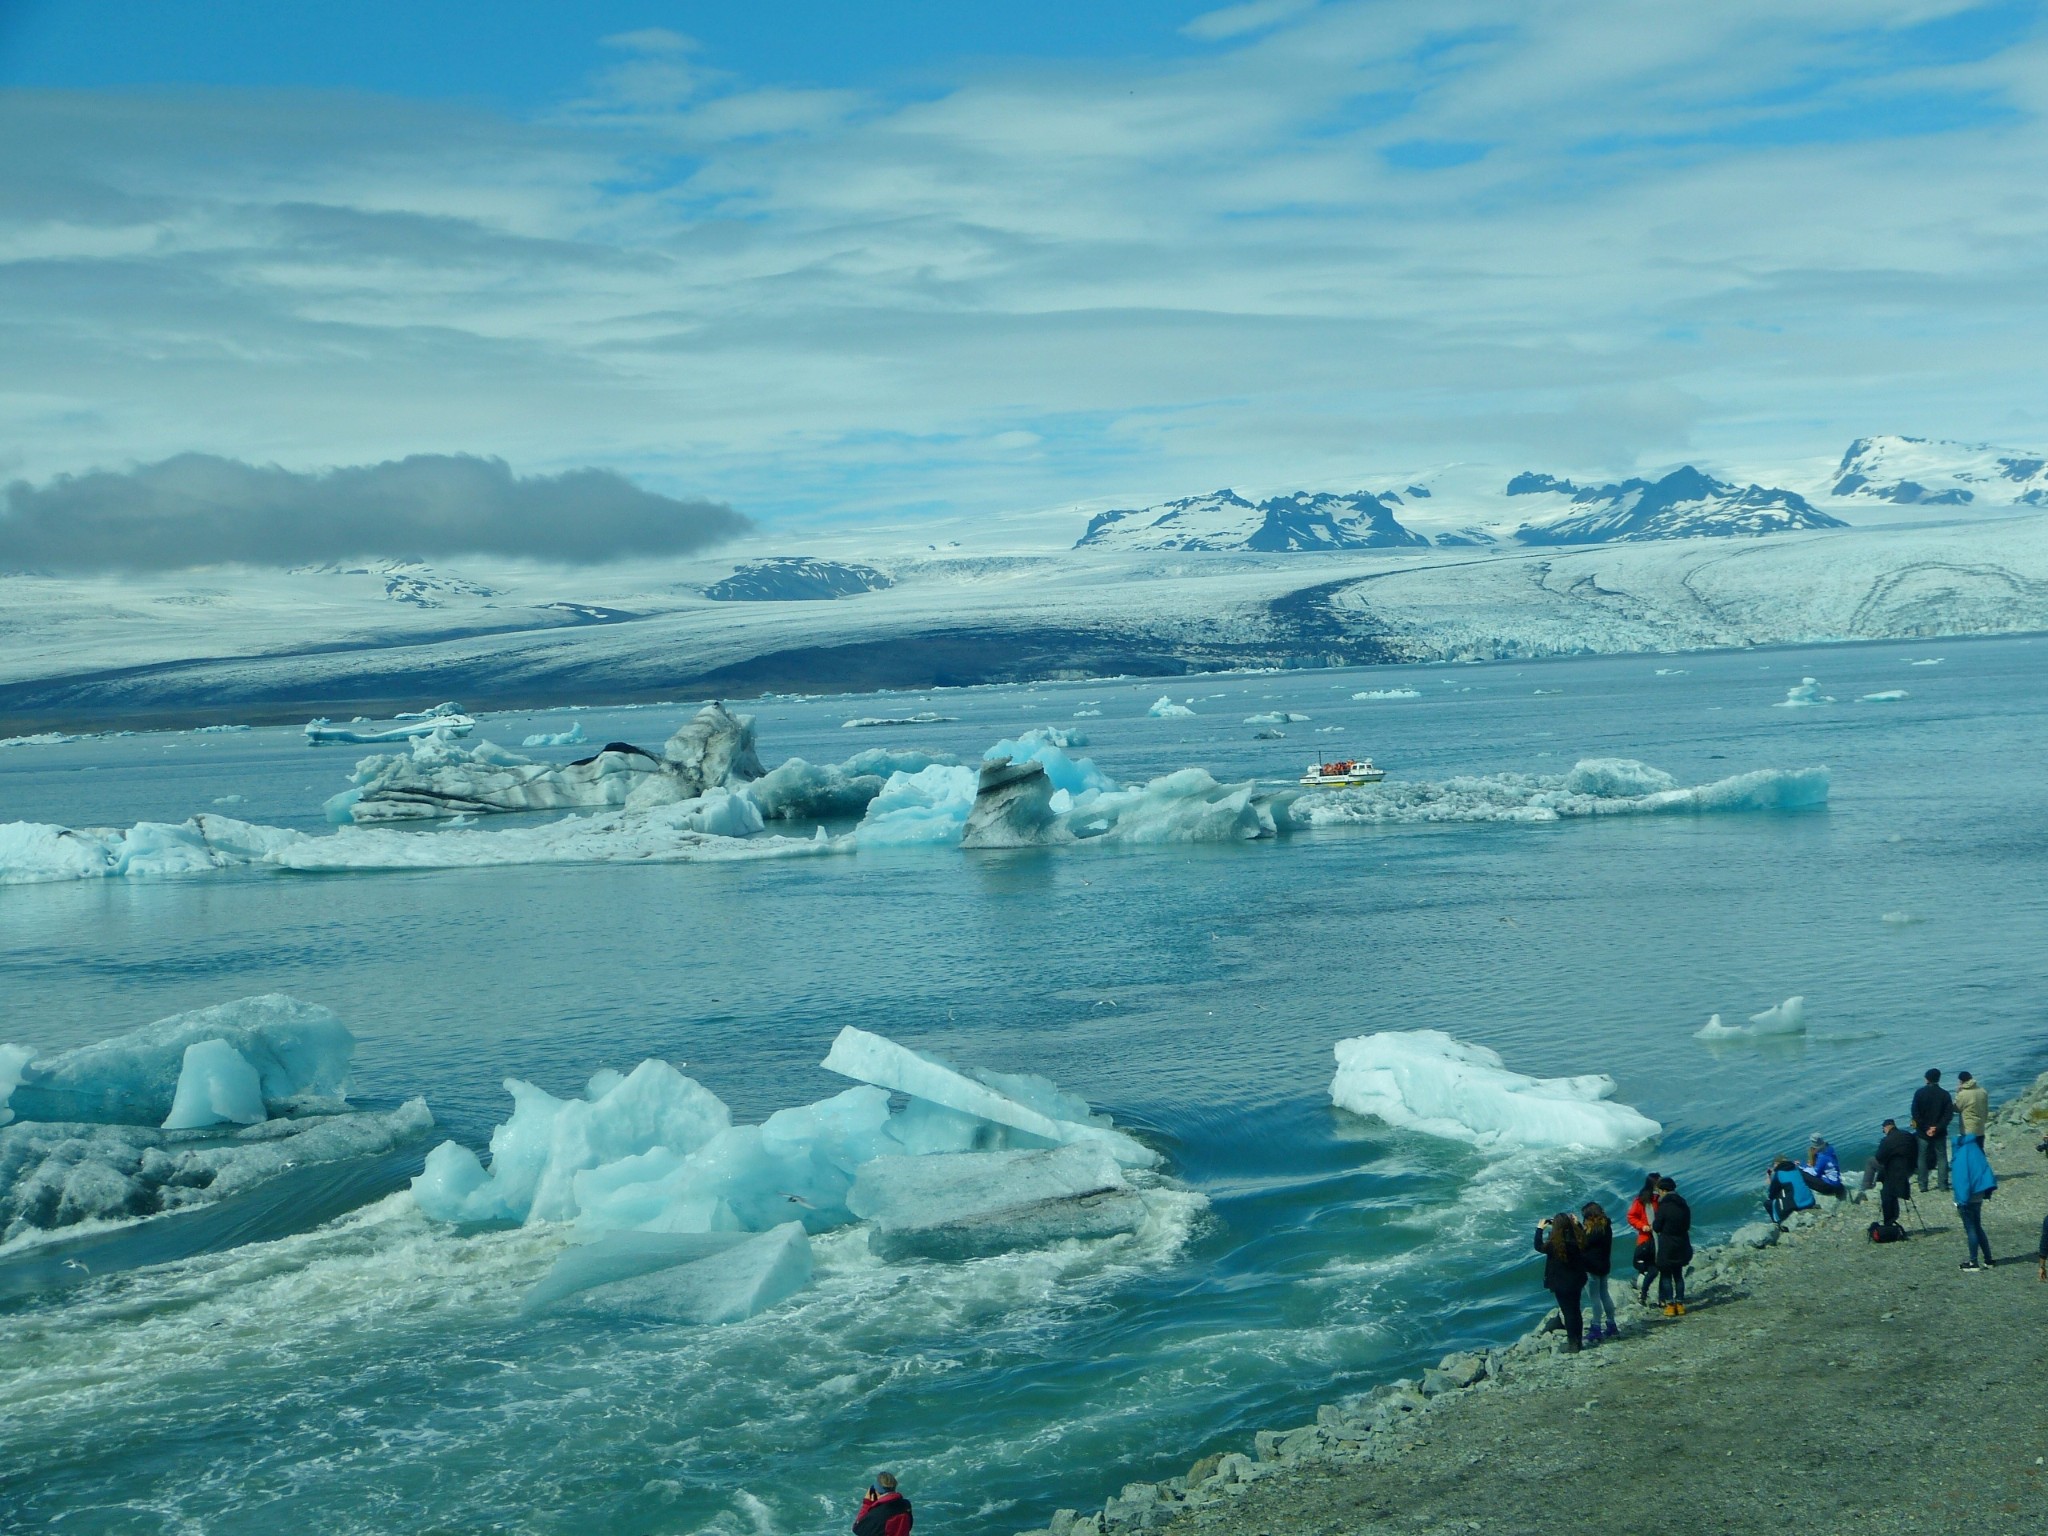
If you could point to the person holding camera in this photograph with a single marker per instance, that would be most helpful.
(1898, 1154)
(1932, 1111)
(1641, 1212)
(1564, 1273)
(884, 1512)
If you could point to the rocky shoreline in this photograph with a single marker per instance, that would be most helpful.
(1817, 1376)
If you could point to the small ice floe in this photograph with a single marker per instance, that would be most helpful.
(1887, 696)
(1786, 1018)
(1926, 661)
(442, 719)
(1275, 717)
(1803, 695)
(1424, 1080)
(228, 799)
(877, 722)
(1901, 919)
(572, 737)
(1163, 708)
(1389, 693)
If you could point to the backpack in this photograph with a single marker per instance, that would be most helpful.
(1887, 1232)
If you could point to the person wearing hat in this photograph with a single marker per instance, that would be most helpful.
(1898, 1154)
(1973, 1105)
(884, 1512)
(1932, 1111)
(1822, 1170)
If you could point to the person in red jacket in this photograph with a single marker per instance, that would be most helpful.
(884, 1512)
(1641, 1212)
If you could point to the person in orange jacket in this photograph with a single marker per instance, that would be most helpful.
(884, 1512)
(1642, 1211)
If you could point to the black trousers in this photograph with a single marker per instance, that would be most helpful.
(1888, 1200)
(1574, 1317)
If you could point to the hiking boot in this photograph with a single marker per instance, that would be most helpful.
(1671, 1309)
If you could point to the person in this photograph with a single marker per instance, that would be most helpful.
(1641, 1211)
(1898, 1154)
(1974, 1183)
(1932, 1111)
(1564, 1273)
(1596, 1245)
(1672, 1227)
(1786, 1189)
(1973, 1106)
(884, 1512)
(1822, 1170)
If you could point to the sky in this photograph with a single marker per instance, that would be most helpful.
(830, 264)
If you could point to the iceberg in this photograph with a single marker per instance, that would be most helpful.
(1389, 693)
(57, 1176)
(1805, 693)
(1019, 805)
(537, 1154)
(572, 737)
(929, 806)
(1886, 696)
(801, 791)
(706, 1279)
(874, 722)
(442, 720)
(1275, 717)
(1424, 1080)
(298, 1054)
(969, 1204)
(438, 777)
(1786, 1018)
(1163, 708)
(1595, 787)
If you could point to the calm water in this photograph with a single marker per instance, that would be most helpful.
(369, 1372)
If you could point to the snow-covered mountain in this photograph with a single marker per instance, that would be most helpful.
(407, 581)
(1919, 471)
(1685, 504)
(795, 579)
(1224, 520)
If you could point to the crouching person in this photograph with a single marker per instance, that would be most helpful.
(884, 1512)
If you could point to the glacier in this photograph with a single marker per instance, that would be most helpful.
(1424, 1080)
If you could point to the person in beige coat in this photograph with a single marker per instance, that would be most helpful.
(1973, 1105)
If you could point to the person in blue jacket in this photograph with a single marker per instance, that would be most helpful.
(1823, 1170)
(1971, 1177)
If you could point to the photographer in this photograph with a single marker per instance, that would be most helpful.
(884, 1512)
(1564, 1273)
(1898, 1154)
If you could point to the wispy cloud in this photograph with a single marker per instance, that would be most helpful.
(196, 509)
(1462, 230)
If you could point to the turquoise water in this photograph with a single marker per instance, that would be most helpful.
(369, 1371)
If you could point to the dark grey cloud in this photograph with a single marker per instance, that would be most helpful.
(199, 509)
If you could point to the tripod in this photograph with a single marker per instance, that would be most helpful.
(1918, 1220)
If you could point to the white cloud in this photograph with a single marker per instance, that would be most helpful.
(1221, 270)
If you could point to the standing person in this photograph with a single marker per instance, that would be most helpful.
(1974, 1182)
(884, 1512)
(1564, 1273)
(1898, 1154)
(1596, 1245)
(1672, 1228)
(1641, 1212)
(1932, 1111)
(1973, 1105)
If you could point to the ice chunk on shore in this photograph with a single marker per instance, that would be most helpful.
(1163, 708)
(968, 1204)
(537, 1154)
(54, 1176)
(1424, 1080)
(727, 1284)
(870, 1058)
(1786, 1018)
(297, 1051)
(215, 1083)
(572, 737)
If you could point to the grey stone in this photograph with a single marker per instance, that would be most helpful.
(1234, 1467)
(1204, 1469)
(1140, 1493)
(1462, 1368)
(1063, 1522)
(1267, 1443)
(1297, 1443)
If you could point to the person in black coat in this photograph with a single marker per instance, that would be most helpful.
(1898, 1154)
(1564, 1273)
(1672, 1229)
(1932, 1111)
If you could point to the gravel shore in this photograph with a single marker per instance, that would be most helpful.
(1820, 1384)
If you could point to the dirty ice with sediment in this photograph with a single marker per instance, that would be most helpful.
(666, 1117)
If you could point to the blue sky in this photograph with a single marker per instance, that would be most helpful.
(867, 262)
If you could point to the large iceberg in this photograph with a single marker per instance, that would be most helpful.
(799, 791)
(265, 1056)
(1022, 805)
(1424, 1080)
(439, 777)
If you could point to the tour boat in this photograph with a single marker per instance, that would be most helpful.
(1342, 775)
